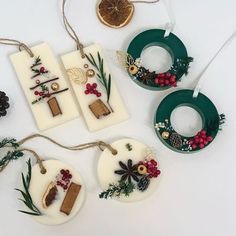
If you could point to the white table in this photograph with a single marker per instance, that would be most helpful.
(197, 194)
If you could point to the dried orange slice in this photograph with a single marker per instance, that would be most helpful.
(115, 13)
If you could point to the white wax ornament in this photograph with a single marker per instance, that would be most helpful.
(109, 163)
(74, 60)
(38, 185)
(44, 118)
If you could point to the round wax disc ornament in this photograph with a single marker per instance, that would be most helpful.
(58, 194)
(203, 105)
(153, 80)
(131, 175)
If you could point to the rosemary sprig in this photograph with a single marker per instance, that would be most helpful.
(116, 190)
(27, 200)
(11, 155)
(102, 76)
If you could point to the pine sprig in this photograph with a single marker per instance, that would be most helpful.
(27, 199)
(11, 155)
(116, 190)
(104, 80)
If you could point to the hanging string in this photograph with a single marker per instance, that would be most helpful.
(200, 76)
(169, 27)
(5, 161)
(71, 31)
(20, 45)
(102, 145)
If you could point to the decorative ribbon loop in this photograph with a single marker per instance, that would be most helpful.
(200, 76)
(169, 27)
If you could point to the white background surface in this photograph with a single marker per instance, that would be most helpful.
(197, 192)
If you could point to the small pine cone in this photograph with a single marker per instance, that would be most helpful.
(143, 183)
(176, 140)
(4, 105)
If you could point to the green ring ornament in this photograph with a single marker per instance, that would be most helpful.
(211, 120)
(154, 80)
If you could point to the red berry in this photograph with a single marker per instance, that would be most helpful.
(174, 84)
(41, 94)
(154, 163)
(190, 141)
(203, 132)
(209, 138)
(172, 78)
(162, 85)
(42, 69)
(168, 75)
(99, 94)
(196, 139)
(88, 86)
(70, 176)
(162, 75)
(194, 146)
(205, 142)
(201, 140)
(167, 82)
(86, 92)
(95, 85)
(36, 93)
(201, 145)
(156, 81)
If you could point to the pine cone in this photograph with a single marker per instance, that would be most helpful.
(176, 140)
(143, 183)
(4, 105)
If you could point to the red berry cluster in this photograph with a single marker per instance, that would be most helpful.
(42, 94)
(200, 140)
(152, 168)
(166, 79)
(92, 89)
(64, 178)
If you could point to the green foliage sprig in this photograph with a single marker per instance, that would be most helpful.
(116, 190)
(11, 155)
(27, 199)
(102, 76)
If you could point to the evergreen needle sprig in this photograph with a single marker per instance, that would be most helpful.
(116, 190)
(27, 199)
(102, 76)
(11, 155)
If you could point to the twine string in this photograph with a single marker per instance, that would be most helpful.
(100, 144)
(71, 31)
(20, 45)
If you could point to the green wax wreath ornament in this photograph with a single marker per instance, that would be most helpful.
(211, 120)
(151, 79)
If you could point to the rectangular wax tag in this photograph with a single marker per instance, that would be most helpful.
(95, 88)
(45, 87)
